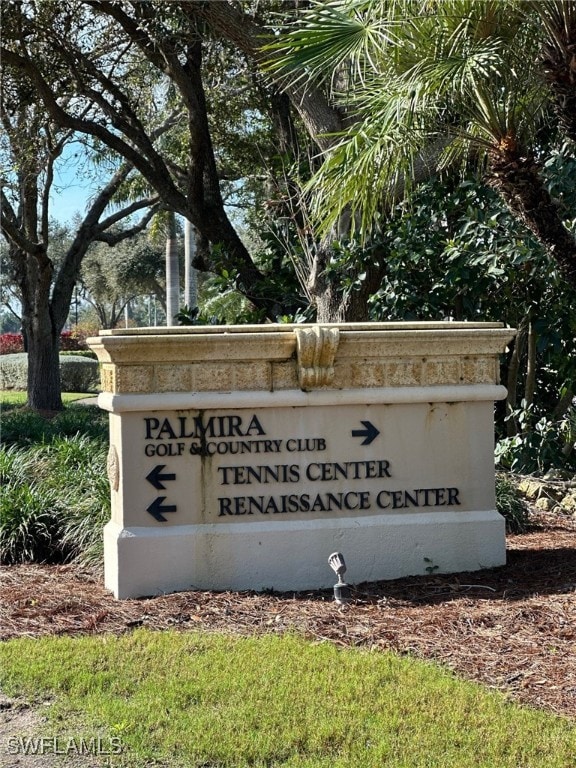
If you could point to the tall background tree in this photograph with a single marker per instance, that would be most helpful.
(122, 120)
(387, 92)
(114, 277)
(32, 144)
(175, 39)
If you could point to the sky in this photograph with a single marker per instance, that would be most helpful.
(75, 181)
(65, 203)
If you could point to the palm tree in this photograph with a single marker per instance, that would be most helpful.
(172, 271)
(426, 84)
(559, 59)
(191, 237)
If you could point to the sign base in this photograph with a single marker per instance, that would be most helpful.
(292, 556)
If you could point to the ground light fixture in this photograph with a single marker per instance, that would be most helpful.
(341, 589)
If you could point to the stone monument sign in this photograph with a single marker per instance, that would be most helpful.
(242, 456)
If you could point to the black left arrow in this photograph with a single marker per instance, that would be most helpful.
(158, 479)
(369, 433)
(156, 509)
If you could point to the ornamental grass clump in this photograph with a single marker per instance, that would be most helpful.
(29, 511)
(55, 495)
(511, 505)
(24, 427)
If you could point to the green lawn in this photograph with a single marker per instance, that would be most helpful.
(195, 699)
(18, 397)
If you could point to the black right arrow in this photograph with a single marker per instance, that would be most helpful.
(156, 509)
(369, 433)
(158, 479)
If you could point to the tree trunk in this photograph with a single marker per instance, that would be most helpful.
(558, 61)
(512, 427)
(335, 305)
(229, 20)
(564, 403)
(172, 273)
(332, 306)
(44, 384)
(42, 335)
(530, 387)
(515, 174)
(190, 274)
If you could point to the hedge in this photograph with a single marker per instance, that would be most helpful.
(78, 373)
(11, 343)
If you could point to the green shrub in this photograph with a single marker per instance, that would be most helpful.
(24, 427)
(87, 500)
(510, 504)
(85, 518)
(29, 511)
(55, 494)
(543, 444)
(14, 371)
(87, 420)
(55, 501)
(78, 373)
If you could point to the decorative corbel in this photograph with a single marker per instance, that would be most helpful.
(316, 349)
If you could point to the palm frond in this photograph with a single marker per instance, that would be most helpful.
(558, 17)
(369, 165)
(330, 35)
(459, 75)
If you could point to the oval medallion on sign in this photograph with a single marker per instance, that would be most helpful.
(113, 468)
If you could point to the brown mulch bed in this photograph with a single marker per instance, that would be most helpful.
(512, 628)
